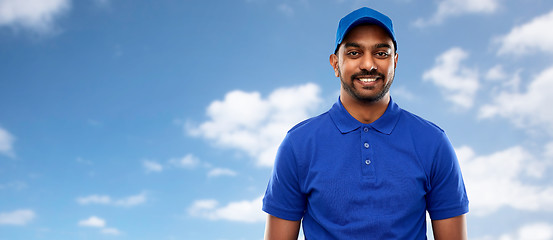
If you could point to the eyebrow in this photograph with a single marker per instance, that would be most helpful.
(351, 44)
(382, 45)
(357, 45)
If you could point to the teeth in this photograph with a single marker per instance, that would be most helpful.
(367, 80)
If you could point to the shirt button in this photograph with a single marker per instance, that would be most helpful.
(366, 145)
(366, 129)
(367, 161)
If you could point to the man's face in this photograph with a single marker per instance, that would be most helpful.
(365, 64)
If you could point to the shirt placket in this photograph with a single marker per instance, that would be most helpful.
(367, 156)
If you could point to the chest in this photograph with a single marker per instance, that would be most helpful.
(364, 174)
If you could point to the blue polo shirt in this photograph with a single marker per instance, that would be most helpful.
(349, 180)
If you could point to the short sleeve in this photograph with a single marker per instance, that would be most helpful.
(283, 197)
(447, 196)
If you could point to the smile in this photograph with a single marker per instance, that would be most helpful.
(367, 80)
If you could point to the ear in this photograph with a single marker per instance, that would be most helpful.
(334, 63)
(395, 60)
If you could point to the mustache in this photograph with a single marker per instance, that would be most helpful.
(365, 72)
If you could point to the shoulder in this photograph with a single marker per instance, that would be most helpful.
(308, 125)
(309, 131)
(419, 124)
(427, 138)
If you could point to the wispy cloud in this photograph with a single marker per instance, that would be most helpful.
(548, 152)
(531, 231)
(527, 109)
(18, 217)
(35, 15)
(218, 172)
(403, 92)
(457, 82)
(247, 122)
(94, 199)
(6, 143)
(496, 73)
(451, 8)
(152, 166)
(534, 231)
(496, 180)
(531, 37)
(129, 201)
(188, 161)
(110, 231)
(248, 211)
(96, 222)
(92, 221)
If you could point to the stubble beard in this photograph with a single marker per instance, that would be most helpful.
(353, 92)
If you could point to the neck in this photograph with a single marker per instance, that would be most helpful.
(364, 112)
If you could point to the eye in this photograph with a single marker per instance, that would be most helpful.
(382, 54)
(353, 53)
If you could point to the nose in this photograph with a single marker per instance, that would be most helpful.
(367, 63)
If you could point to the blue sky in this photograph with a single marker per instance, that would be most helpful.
(126, 119)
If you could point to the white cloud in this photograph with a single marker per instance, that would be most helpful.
(188, 161)
(548, 150)
(111, 231)
(501, 81)
(129, 201)
(201, 205)
(536, 231)
(152, 166)
(35, 15)
(532, 37)
(525, 109)
(94, 199)
(217, 172)
(451, 8)
(402, 92)
(17, 217)
(242, 211)
(496, 73)
(495, 181)
(247, 122)
(533, 231)
(96, 222)
(458, 83)
(93, 221)
(6, 143)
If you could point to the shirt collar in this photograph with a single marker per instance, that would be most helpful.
(347, 123)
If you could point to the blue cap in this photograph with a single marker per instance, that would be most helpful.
(364, 15)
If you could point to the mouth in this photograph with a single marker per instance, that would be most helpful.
(368, 79)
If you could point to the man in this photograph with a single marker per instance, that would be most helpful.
(366, 169)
